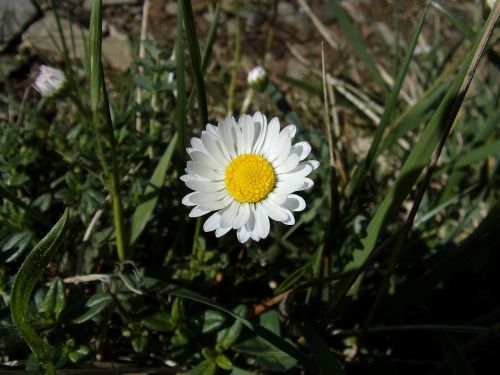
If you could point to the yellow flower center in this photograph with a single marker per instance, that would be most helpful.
(249, 178)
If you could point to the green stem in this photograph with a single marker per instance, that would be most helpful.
(98, 86)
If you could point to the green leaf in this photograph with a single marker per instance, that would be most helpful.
(207, 367)
(29, 273)
(227, 337)
(212, 320)
(55, 300)
(143, 212)
(94, 306)
(223, 362)
(159, 321)
(455, 358)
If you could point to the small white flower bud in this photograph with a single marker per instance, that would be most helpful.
(257, 77)
(49, 81)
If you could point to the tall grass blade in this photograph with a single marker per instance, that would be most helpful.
(434, 136)
(27, 276)
(181, 105)
(355, 40)
(194, 53)
(326, 361)
(390, 105)
(455, 358)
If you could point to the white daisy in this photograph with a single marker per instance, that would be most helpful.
(247, 173)
(49, 81)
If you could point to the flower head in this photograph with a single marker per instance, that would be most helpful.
(257, 77)
(247, 173)
(49, 81)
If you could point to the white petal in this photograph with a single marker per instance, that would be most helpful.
(219, 232)
(261, 220)
(289, 186)
(199, 197)
(211, 129)
(276, 198)
(197, 144)
(186, 201)
(242, 216)
(260, 124)
(299, 172)
(214, 149)
(295, 203)
(216, 205)
(272, 133)
(273, 211)
(242, 234)
(212, 223)
(313, 163)
(197, 169)
(292, 129)
(229, 215)
(308, 183)
(303, 149)
(206, 160)
(206, 186)
(290, 163)
(227, 135)
(240, 144)
(247, 128)
(197, 212)
(280, 151)
(251, 226)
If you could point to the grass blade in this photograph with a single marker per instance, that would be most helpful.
(355, 40)
(181, 105)
(433, 137)
(325, 359)
(27, 276)
(194, 53)
(455, 358)
(361, 172)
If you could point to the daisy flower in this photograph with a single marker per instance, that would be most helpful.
(49, 81)
(247, 172)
